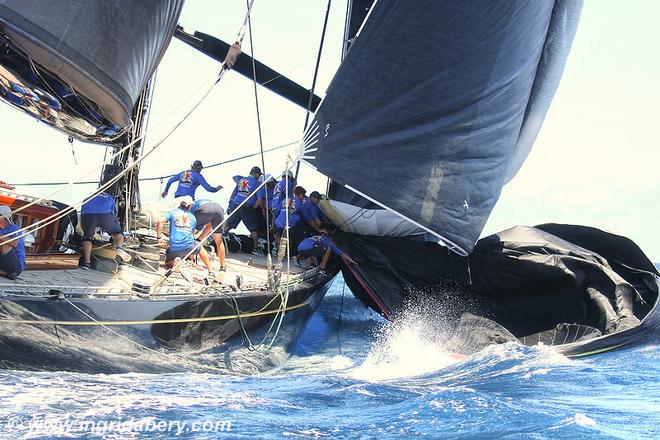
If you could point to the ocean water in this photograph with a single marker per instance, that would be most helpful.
(354, 376)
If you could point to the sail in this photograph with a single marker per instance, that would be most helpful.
(435, 106)
(81, 65)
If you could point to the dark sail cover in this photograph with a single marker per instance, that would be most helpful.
(105, 50)
(537, 283)
(437, 104)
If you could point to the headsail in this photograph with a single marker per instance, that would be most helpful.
(80, 65)
(436, 105)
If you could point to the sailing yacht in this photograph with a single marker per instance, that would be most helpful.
(140, 316)
(432, 111)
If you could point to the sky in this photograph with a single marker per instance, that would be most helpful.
(594, 162)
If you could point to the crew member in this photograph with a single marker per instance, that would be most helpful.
(292, 207)
(189, 180)
(321, 247)
(100, 211)
(209, 216)
(12, 247)
(311, 215)
(182, 242)
(283, 189)
(249, 212)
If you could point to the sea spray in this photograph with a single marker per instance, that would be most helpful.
(413, 345)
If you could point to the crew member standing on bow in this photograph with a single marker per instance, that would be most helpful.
(189, 180)
(250, 211)
(12, 249)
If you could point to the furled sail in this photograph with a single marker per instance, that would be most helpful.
(436, 106)
(80, 65)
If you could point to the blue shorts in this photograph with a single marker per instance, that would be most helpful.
(171, 255)
(251, 217)
(107, 222)
(10, 263)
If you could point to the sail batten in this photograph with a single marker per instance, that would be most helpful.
(425, 114)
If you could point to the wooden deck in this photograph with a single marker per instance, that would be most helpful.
(252, 270)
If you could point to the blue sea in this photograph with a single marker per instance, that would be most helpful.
(353, 375)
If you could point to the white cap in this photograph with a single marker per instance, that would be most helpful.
(184, 200)
(5, 211)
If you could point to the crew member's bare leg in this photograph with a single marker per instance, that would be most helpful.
(325, 258)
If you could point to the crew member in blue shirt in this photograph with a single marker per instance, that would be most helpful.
(293, 207)
(12, 247)
(189, 180)
(100, 211)
(182, 241)
(311, 215)
(281, 192)
(249, 213)
(209, 216)
(321, 247)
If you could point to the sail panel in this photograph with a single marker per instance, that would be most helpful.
(104, 50)
(426, 111)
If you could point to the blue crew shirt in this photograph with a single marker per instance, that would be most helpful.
(182, 224)
(102, 203)
(294, 214)
(319, 242)
(246, 187)
(11, 232)
(280, 193)
(188, 182)
(309, 210)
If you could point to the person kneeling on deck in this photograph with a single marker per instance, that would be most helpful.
(12, 249)
(321, 247)
(182, 242)
(100, 211)
(209, 216)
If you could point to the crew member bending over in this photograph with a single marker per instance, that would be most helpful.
(182, 242)
(100, 211)
(209, 216)
(321, 247)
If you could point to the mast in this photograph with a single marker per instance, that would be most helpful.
(127, 191)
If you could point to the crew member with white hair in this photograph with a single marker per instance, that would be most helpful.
(182, 241)
(12, 247)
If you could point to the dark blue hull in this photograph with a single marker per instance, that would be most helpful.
(115, 334)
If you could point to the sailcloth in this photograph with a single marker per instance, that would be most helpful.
(436, 106)
(104, 50)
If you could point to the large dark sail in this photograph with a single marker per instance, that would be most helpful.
(80, 65)
(436, 106)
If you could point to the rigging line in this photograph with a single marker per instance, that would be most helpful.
(66, 211)
(261, 141)
(316, 72)
(114, 155)
(288, 259)
(341, 308)
(142, 179)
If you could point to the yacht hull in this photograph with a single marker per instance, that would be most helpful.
(93, 333)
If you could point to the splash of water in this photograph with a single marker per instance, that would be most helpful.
(414, 345)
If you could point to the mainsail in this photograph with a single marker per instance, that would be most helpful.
(80, 65)
(436, 106)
